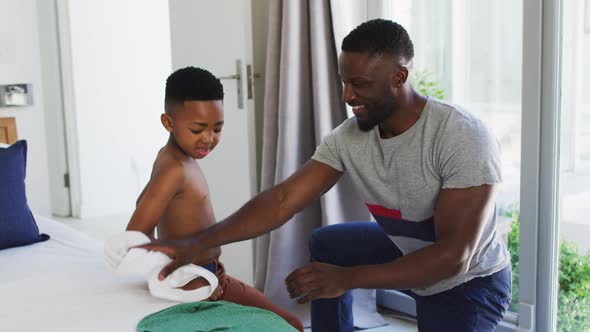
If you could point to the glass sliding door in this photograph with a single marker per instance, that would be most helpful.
(470, 53)
(573, 312)
(521, 66)
(538, 238)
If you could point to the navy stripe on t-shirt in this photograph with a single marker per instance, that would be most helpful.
(393, 224)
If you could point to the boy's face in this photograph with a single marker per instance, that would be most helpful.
(195, 125)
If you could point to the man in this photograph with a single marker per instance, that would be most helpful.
(427, 171)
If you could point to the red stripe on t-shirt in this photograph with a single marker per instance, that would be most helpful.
(379, 210)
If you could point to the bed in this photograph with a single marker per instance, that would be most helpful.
(63, 284)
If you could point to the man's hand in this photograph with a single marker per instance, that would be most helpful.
(182, 252)
(317, 281)
(217, 294)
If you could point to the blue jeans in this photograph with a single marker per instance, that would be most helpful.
(477, 305)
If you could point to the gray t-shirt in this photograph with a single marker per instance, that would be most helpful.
(399, 178)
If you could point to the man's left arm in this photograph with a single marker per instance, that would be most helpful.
(460, 217)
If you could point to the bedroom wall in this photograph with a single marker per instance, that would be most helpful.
(19, 63)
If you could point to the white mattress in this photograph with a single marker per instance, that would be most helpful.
(64, 285)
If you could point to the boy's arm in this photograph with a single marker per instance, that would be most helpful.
(154, 199)
(140, 196)
(151, 235)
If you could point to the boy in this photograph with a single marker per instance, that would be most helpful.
(176, 199)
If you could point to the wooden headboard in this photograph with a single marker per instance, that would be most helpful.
(8, 130)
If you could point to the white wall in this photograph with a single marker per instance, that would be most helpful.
(120, 61)
(19, 63)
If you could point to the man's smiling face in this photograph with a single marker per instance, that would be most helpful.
(368, 87)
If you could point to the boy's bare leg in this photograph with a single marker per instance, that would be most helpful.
(195, 283)
(233, 290)
(238, 292)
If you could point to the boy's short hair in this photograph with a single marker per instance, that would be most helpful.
(192, 83)
(379, 37)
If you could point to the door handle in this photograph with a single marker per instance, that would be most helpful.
(251, 78)
(238, 77)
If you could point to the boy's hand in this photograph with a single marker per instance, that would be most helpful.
(180, 251)
(317, 281)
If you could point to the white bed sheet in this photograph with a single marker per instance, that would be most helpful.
(64, 284)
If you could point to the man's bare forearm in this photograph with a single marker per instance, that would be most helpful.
(260, 215)
(272, 208)
(420, 269)
(206, 256)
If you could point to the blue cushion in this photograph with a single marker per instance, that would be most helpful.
(17, 225)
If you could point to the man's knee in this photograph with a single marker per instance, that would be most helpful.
(317, 244)
(323, 244)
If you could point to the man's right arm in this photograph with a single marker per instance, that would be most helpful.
(262, 214)
(272, 208)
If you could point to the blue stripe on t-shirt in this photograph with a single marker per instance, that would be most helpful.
(421, 230)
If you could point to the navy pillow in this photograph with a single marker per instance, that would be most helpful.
(17, 225)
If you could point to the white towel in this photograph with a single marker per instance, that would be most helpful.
(148, 264)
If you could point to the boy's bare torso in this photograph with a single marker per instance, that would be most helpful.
(189, 211)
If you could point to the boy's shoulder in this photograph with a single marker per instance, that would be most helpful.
(168, 164)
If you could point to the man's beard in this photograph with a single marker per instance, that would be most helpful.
(376, 113)
(365, 125)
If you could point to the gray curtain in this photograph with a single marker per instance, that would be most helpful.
(302, 104)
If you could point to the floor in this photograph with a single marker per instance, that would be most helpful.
(104, 227)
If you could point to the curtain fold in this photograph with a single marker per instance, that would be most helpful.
(302, 104)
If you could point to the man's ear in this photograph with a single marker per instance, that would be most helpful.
(167, 122)
(400, 77)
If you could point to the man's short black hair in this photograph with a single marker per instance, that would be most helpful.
(380, 37)
(192, 83)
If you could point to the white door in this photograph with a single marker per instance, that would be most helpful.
(216, 35)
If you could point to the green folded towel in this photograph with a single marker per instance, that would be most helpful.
(213, 316)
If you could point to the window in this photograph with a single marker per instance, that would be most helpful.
(573, 313)
(470, 53)
(523, 68)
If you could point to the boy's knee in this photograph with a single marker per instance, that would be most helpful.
(296, 323)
